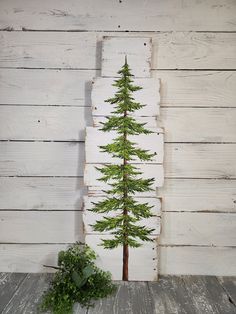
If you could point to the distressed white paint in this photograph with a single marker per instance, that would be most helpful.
(94, 138)
(91, 176)
(142, 16)
(112, 260)
(41, 226)
(54, 87)
(198, 195)
(197, 260)
(211, 229)
(81, 50)
(149, 96)
(39, 193)
(137, 50)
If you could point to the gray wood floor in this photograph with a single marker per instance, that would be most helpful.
(21, 293)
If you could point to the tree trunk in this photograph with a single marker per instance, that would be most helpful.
(125, 276)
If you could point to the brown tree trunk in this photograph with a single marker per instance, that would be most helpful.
(125, 275)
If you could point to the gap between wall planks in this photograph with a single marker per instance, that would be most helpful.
(174, 50)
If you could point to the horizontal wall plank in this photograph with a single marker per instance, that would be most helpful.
(175, 50)
(41, 227)
(30, 258)
(149, 96)
(41, 159)
(198, 195)
(197, 88)
(200, 160)
(68, 123)
(213, 229)
(151, 16)
(187, 260)
(45, 87)
(41, 193)
(54, 87)
(198, 124)
(67, 159)
(44, 123)
(94, 138)
(142, 260)
(91, 176)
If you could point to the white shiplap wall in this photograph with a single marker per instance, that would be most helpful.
(50, 52)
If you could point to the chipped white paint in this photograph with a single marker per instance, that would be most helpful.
(149, 96)
(94, 138)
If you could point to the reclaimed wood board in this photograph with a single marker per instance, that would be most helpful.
(78, 50)
(41, 226)
(111, 260)
(95, 138)
(149, 96)
(122, 16)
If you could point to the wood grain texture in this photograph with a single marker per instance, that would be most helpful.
(197, 260)
(91, 176)
(29, 257)
(229, 285)
(193, 229)
(41, 227)
(45, 87)
(112, 260)
(151, 16)
(30, 294)
(95, 138)
(41, 193)
(9, 284)
(44, 123)
(198, 124)
(137, 50)
(54, 87)
(200, 160)
(207, 295)
(149, 95)
(41, 159)
(80, 50)
(198, 195)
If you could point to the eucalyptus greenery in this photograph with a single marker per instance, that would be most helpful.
(77, 279)
(124, 179)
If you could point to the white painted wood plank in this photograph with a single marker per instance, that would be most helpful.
(149, 95)
(67, 159)
(26, 258)
(44, 123)
(152, 201)
(212, 229)
(152, 16)
(95, 138)
(197, 88)
(137, 50)
(41, 193)
(90, 218)
(200, 160)
(41, 159)
(198, 195)
(175, 50)
(45, 87)
(178, 88)
(91, 176)
(198, 124)
(41, 226)
(142, 261)
(187, 260)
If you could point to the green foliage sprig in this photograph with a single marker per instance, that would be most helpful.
(78, 279)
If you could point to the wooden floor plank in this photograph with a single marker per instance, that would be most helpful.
(9, 283)
(170, 296)
(27, 298)
(229, 285)
(207, 295)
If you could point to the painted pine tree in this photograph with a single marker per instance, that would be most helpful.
(124, 178)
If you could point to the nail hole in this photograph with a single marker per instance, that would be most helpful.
(95, 108)
(118, 26)
(120, 1)
(145, 44)
(38, 120)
